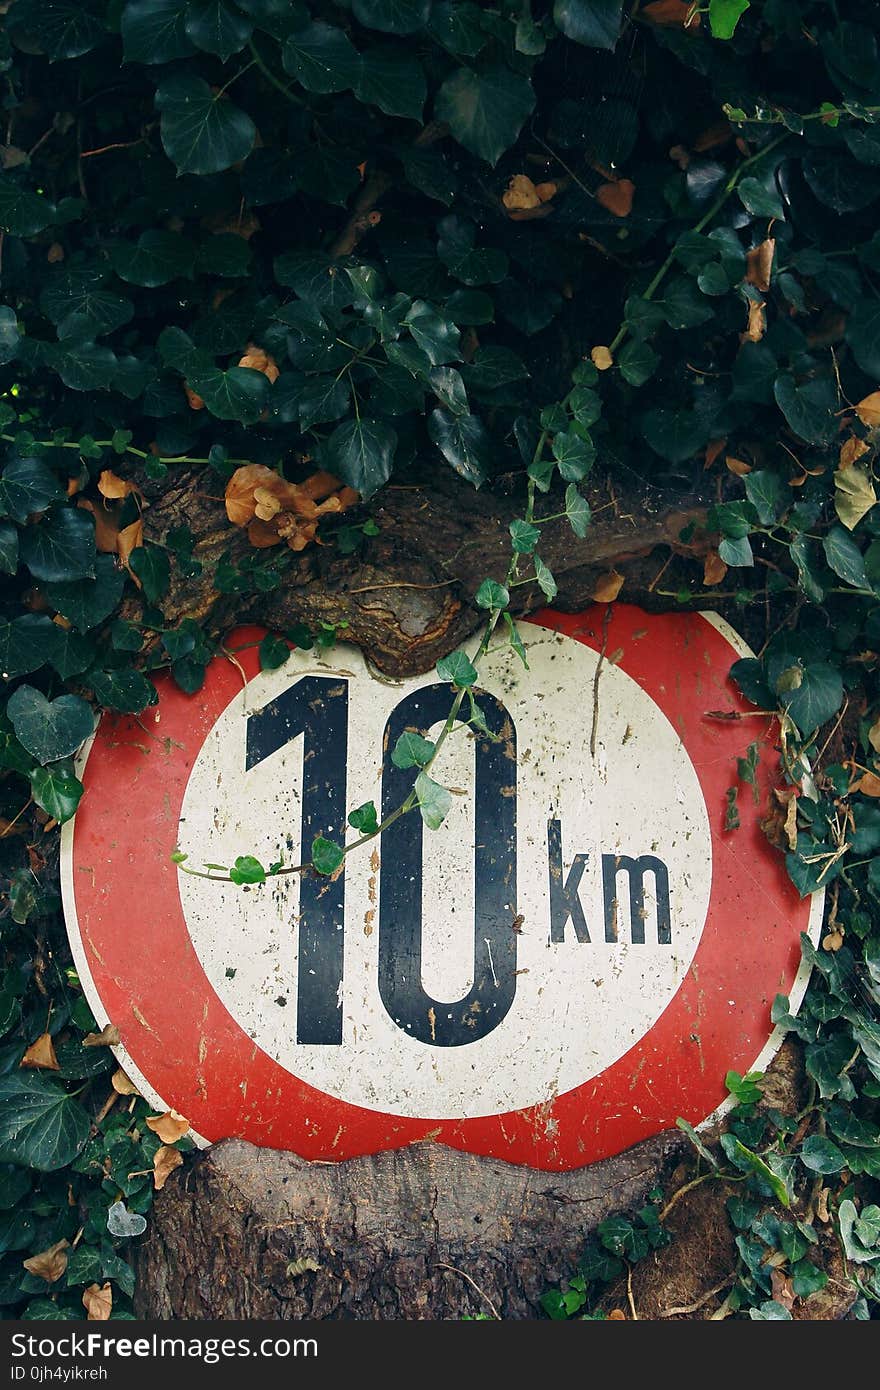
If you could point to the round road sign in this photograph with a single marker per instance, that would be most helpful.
(573, 960)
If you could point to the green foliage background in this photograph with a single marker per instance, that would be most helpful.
(179, 178)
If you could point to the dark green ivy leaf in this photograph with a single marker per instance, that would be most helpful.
(9, 335)
(126, 691)
(60, 547)
(595, 23)
(863, 335)
(321, 58)
(393, 81)
(392, 16)
(41, 1125)
(27, 486)
(8, 547)
(49, 729)
(154, 31)
(411, 750)
(809, 408)
(87, 602)
(58, 793)
(153, 568)
(203, 132)
(62, 28)
(845, 558)
(364, 819)
(326, 855)
(22, 212)
(217, 27)
(156, 258)
(458, 669)
(361, 453)
(464, 442)
(485, 111)
(26, 644)
(817, 698)
(240, 393)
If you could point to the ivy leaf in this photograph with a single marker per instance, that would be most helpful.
(216, 27)
(97, 310)
(326, 855)
(202, 132)
(862, 334)
(817, 698)
(458, 669)
(637, 362)
(153, 568)
(392, 16)
(577, 509)
(724, 16)
(766, 492)
(411, 750)
(491, 595)
(321, 58)
(845, 558)
(595, 23)
(8, 547)
(675, 435)
(154, 31)
(361, 453)
(434, 801)
(126, 691)
(485, 111)
(546, 582)
(736, 551)
(27, 486)
(240, 393)
(63, 28)
(435, 334)
(491, 367)
(49, 729)
(87, 602)
(524, 537)
(809, 408)
(26, 644)
(41, 1125)
(364, 819)
(838, 183)
(393, 81)
(322, 400)
(22, 212)
(804, 552)
(464, 442)
(156, 258)
(448, 387)
(574, 455)
(58, 793)
(821, 1155)
(60, 547)
(9, 335)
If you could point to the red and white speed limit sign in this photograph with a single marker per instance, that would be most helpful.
(571, 962)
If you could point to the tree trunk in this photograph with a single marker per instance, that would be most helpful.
(423, 1232)
(407, 599)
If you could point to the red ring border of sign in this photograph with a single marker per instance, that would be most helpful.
(139, 969)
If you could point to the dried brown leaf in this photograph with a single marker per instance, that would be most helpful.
(98, 1302)
(782, 1289)
(601, 358)
(49, 1264)
(759, 264)
(260, 361)
(713, 449)
(617, 198)
(714, 135)
(41, 1054)
(111, 486)
(680, 14)
(108, 1037)
(194, 399)
(547, 191)
(520, 193)
(106, 526)
(868, 784)
(738, 466)
(129, 539)
(714, 568)
(868, 410)
(852, 449)
(757, 324)
(170, 1127)
(122, 1084)
(608, 587)
(165, 1160)
(55, 253)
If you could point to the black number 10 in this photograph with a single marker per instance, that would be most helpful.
(316, 707)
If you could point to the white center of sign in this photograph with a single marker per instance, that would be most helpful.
(595, 915)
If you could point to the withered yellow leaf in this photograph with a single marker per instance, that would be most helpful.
(714, 568)
(165, 1160)
(854, 495)
(608, 587)
(617, 198)
(41, 1054)
(851, 449)
(170, 1127)
(122, 1084)
(759, 264)
(520, 193)
(108, 1037)
(98, 1302)
(106, 527)
(546, 191)
(868, 410)
(601, 358)
(49, 1264)
(874, 735)
(868, 784)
